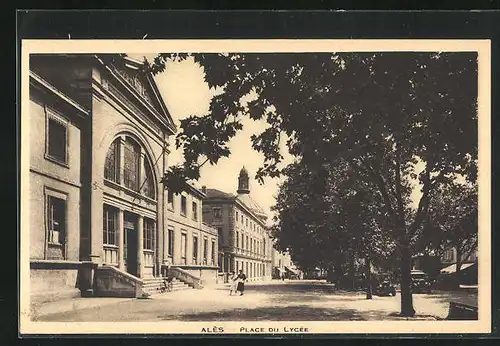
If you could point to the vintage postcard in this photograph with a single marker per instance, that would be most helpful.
(256, 187)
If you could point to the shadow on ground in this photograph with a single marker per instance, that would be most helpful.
(278, 313)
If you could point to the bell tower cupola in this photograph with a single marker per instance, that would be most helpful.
(243, 182)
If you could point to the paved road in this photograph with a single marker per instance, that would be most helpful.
(276, 300)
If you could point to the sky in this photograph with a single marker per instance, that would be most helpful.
(185, 93)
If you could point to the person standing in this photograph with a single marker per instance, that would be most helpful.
(233, 284)
(241, 282)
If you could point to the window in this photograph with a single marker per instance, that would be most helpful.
(246, 243)
(170, 249)
(57, 137)
(205, 250)
(183, 205)
(148, 186)
(183, 247)
(237, 215)
(195, 249)
(246, 222)
(148, 232)
(170, 199)
(131, 165)
(56, 227)
(110, 226)
(112, 164)
(214, 259)
(242, 221)
(217, 213)
(195, 211)
(237, 239)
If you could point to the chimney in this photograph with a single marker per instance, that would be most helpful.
(204, 189)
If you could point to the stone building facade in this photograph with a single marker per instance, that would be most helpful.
(99, 218)
(244, 240)
(190, 243)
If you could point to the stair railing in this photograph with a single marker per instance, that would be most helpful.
(182, 275)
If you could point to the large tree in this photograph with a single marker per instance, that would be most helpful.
(386, 114)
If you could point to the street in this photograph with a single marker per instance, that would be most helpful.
(275, 300)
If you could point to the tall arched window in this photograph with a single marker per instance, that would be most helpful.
(131, 157)
(148, 187)
(112, 164)
(125, 166)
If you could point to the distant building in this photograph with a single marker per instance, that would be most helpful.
(283, 265)
(244, 241)
(446, 265)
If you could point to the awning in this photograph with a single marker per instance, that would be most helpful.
(453, 268)
(291, 270)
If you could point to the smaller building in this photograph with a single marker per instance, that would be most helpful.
(190, 244)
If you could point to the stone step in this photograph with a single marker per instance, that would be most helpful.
(154, 285)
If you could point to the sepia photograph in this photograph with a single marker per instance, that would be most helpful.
(255, 186)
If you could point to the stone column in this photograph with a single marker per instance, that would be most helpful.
(140, 246)
(121, 241)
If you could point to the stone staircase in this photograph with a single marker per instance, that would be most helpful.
(154, 285)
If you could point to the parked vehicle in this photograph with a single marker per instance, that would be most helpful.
(420, 282)
(383, 286)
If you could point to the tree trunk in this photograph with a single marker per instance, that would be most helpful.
(456, 283)
(338, 274)
(351, 271)
(368, 273)
(406, 297)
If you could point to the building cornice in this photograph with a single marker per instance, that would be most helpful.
(39, 82)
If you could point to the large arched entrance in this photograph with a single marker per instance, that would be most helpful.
(129, 207)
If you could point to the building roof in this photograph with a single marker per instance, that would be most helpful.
(243, 198)
(214, 193)
(248, 201)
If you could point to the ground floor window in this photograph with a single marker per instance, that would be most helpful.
(213, 252)
(148, 233)
(205, 250)
(195, 249)
(170, 248)
(110, 226)
(183, 247)
(56, 227)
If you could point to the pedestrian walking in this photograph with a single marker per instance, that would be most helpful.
(241, 278)
(233, 283)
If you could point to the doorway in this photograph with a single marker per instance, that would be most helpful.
(130, 243)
